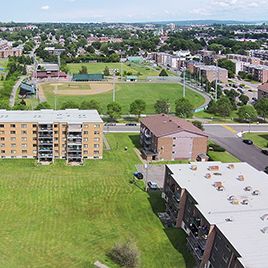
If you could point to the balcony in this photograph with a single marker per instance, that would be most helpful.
(196, 250)
(44, 136)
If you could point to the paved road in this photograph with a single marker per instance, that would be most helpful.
(226, 136)
(12, 98)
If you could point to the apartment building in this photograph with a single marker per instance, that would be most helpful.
(46, 135)
(259, 53)
(243, 58)
(263, 91)
(6, 50)
(165, 137)
(208, 72)
(223, 208)
(259, 72)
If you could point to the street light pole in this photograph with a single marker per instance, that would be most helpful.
(184, 82)
(113, 85)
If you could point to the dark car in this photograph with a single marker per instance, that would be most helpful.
(265, 152)
(138, 175)
(131, 124)
(152, 185)
(248, 142)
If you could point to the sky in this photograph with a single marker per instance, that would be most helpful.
(131, 10)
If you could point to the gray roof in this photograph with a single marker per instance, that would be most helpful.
(246, 230)
(50, 116)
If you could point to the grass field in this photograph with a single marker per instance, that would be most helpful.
(60, 216)
(127, 93)
(99, 67)
(259, 139)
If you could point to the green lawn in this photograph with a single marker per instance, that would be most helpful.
(216, 118)
(99, 67)
(127, 93)
(259, 139)
(60, 216)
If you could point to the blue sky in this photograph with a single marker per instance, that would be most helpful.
(131, 10)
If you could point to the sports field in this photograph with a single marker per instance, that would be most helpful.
(60, 216)
(141, 69)
(125, 94)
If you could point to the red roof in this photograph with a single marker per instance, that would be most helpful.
(163, 125)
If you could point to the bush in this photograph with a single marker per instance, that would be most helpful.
(216, 148)
(125, 255)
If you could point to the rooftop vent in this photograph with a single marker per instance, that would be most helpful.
(194, 167)
(208, 176)
(229, 220)
(241, 178)
(231, 166)
(248, 189)
(256, 192)
(264, 217)
(214, 168)
(245, 202)
(265, 230)
(235, 201)
(231, 197)
(219, 186)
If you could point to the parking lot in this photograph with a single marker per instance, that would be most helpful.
(155, 173)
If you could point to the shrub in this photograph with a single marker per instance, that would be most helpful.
(217, 148)
(125, 255)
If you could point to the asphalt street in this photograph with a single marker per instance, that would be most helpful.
(225, 135)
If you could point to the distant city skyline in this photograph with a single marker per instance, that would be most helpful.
(132, 11)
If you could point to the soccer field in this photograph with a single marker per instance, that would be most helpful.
(127, 93)
(61, 216)
(141, 69)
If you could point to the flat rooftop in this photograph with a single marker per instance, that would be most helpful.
(238, 210)
(51, 116)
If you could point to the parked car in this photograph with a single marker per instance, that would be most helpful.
(265, 152)
(152, 185)
(131, 124)
(138, 175)
(248, 142)
(110, 124)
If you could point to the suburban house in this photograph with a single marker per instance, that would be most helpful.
(223, 210)
(263, 91)
(49, 70)
(165, 137)
(46, 135)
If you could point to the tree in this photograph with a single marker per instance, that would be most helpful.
(212, 107)
(184, 108)
(137, 107)
(43, 106)
(83, 70)
(106, 71)
(198, 124)
(69, 105)
(224, 106)
(244, 99)
(162, 106)
(163, 73)
(91, 105)
(262, 107)
(114, 110)
(229, 65)
(247, 113)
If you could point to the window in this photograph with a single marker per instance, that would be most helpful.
(23, 139)
(96, 146)
(96, 152)
(85, 146)
(225, 258)
(24, 145)
(24, 132)
(13, 132)
(13, 145)
(56, 139)
(2, 132)
(34, 125)
(2, 145)
(85, 132)
(34, 151)
(34, 132)
(85, 152)
(85, 139)
(86, 125)
(23, 125)
(63, 132)
(2, 138)
(3, 151)
(97, 126)
(13, 151)
(174, 145)
(96, 139)
(174, 138)
(24, 151)
(228, 248)
(55, 125)
(13, 138)
(12, 125)
(96, 132)
(1, 125)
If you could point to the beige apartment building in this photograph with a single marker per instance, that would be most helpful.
(46, 135)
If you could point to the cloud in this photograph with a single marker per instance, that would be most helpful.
(46, 7)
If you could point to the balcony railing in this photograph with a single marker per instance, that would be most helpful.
(197, 251)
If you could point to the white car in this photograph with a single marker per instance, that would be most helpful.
(152, 185)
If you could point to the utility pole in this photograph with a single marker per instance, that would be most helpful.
(184, 82)
(216, 83)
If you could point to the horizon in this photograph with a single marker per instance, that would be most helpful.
(136, 11)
